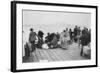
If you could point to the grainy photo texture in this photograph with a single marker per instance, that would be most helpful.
(49, 36)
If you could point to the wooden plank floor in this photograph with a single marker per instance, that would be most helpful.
(57, 54)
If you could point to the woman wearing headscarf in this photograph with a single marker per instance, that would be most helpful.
(64, 38)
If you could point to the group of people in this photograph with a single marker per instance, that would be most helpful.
(62, 40)
(55, 40)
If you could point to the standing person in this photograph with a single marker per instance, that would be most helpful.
(75, 33)
(62, 39)
(65, 39)
(71, 35)
(40, 39)
(78, 35)
(32, 38)
(84, 39)
(78, 31)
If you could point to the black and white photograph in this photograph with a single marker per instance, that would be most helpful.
(56, 36)
(47, 36)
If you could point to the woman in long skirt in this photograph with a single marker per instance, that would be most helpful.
(64, 38)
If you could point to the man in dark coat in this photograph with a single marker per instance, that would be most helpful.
(85, 39)
(75, 33)
(70, 33)
(32, 38)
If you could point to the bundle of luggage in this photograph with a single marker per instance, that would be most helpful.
(86, 52)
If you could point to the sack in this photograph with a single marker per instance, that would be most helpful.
(45, 46)
(59, 42)
(86, 50)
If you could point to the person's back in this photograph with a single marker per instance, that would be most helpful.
(84, 39)
(32, 36)
(75, 31)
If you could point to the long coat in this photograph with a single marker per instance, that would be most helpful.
(64, 38)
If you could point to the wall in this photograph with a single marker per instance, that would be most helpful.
(5, 36)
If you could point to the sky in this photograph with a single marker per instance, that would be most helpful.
(50, 21)
(55, 21)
